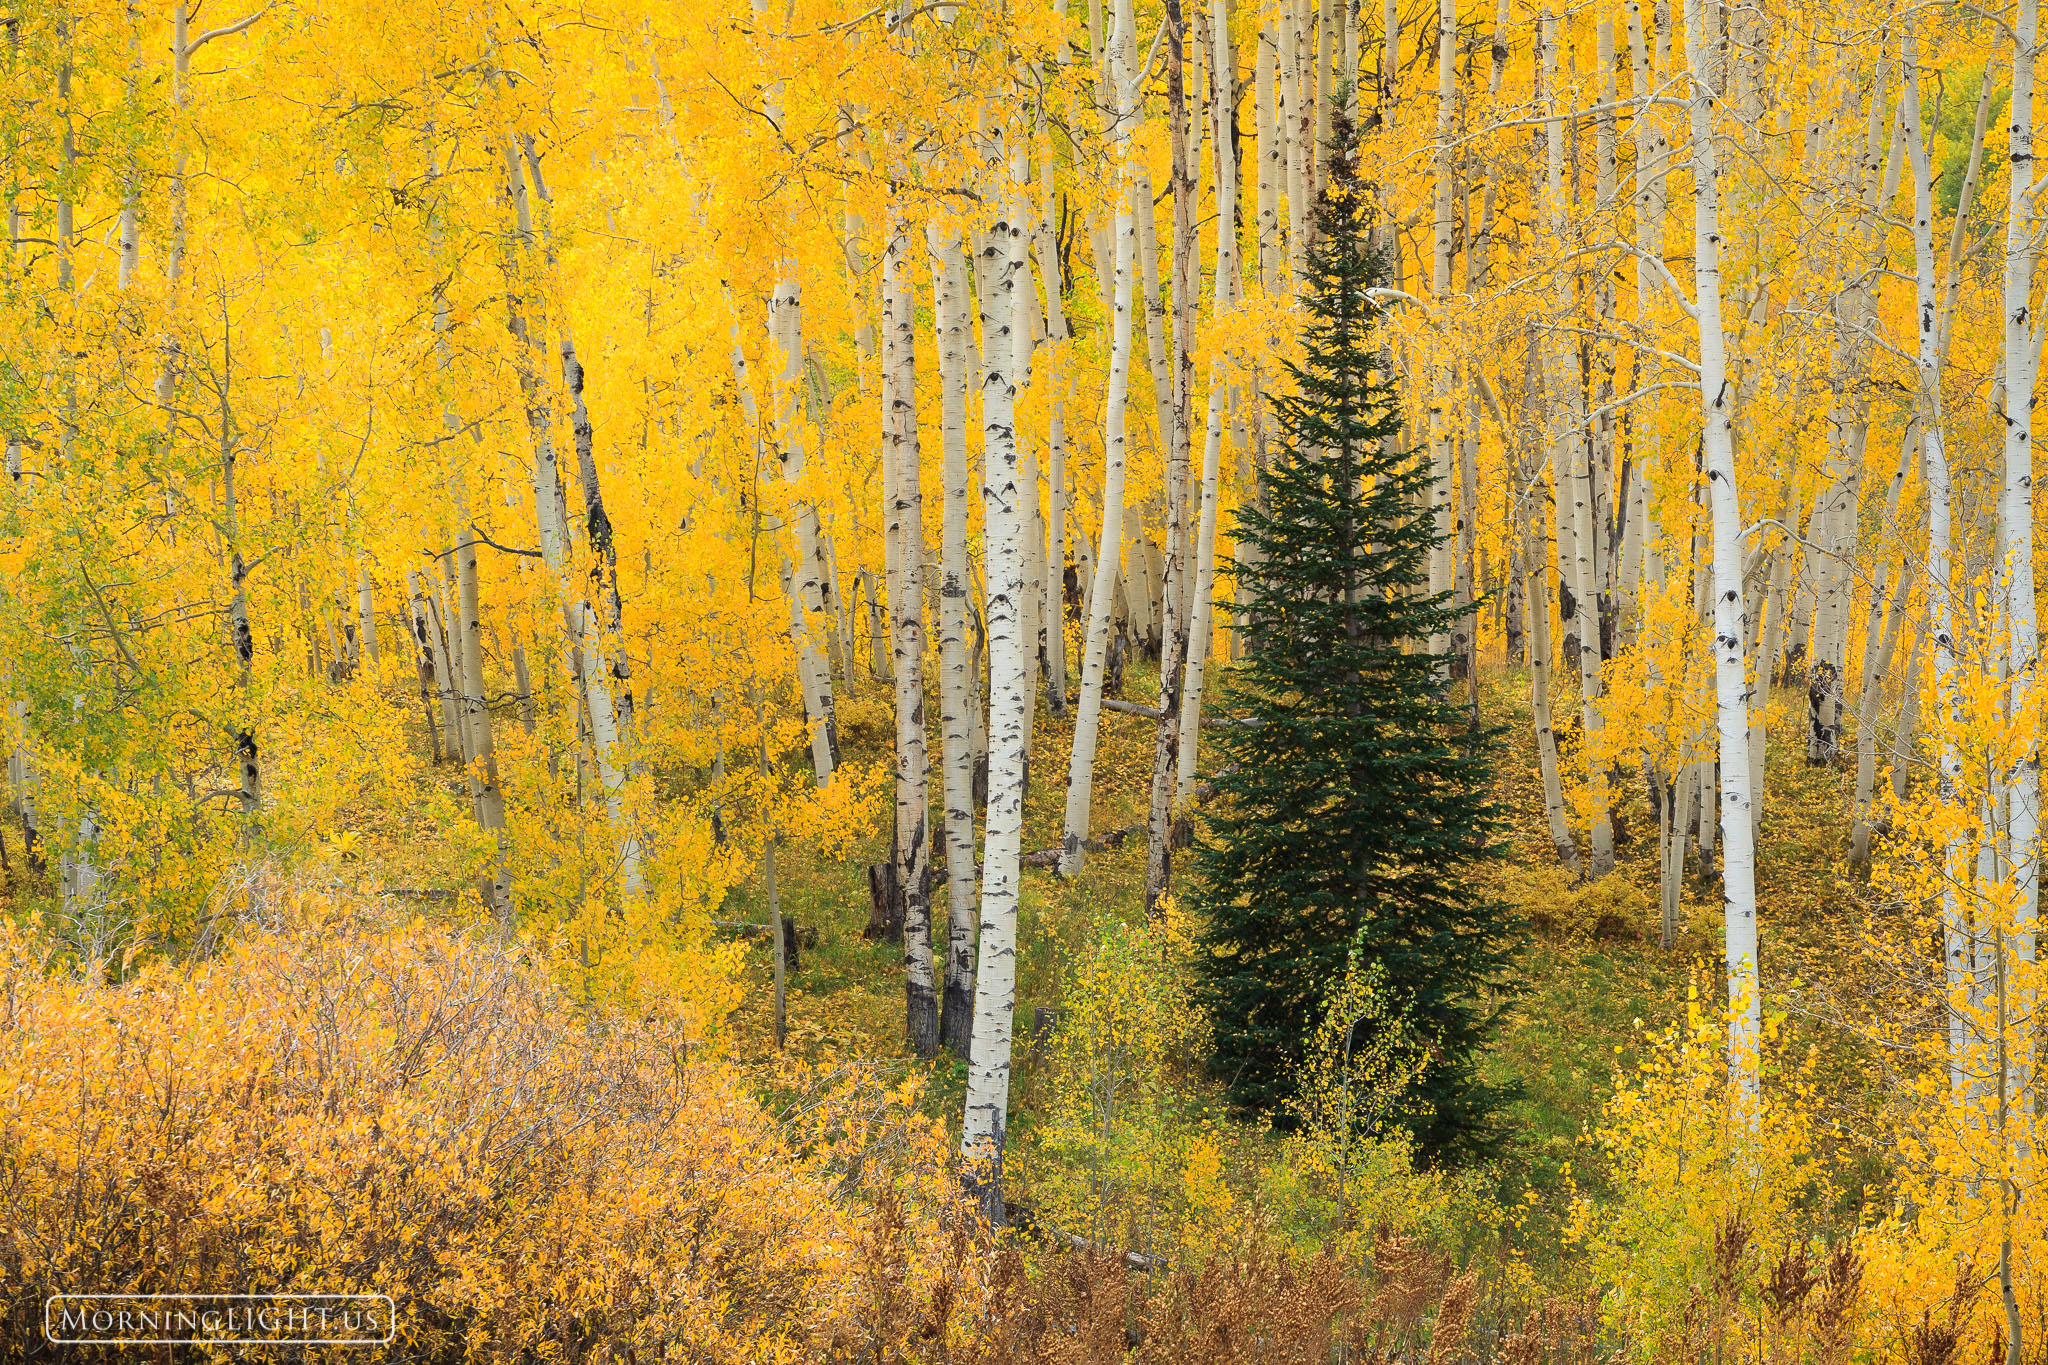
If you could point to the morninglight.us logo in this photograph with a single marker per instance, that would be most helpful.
(219, 1319)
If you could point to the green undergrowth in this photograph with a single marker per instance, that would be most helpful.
(1597, 984)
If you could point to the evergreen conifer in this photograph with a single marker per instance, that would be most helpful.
(1355, 803)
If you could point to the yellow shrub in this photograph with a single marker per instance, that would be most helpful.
(1704, 1188)
(349, 1107)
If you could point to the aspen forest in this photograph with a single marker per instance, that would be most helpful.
(1016, 681)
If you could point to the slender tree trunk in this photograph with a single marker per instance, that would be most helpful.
(1295, 123)
(1173, 616)
(1442, 568)
(949, 316)
(778, 949)
(1879, 649)
(906, 603)
(1958, 950)
(1731, 683)
(486, 797)
(985, 1123)
(1576, 490)
(1202, 627)
(1272, 158)
(1053, 614)
(1081, 768)
(1536, 603)
(785, 333)
(2016, 528)
(526, 321)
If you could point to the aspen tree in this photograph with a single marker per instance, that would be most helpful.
(2016, 551)
(1441, 568)
(785, 331)
(1174, 643)
(1271, 158)
(1026, 321)
(550, 514)
(1201, 626)
(1081, 767)
(1003, 263)
(1293, 138)
(1607, 584)
(906, 605)
(1057, 333)
(785, 334)
(1731, 683)
(1201, 595)
(1535, 600)
(949, 316)
(1575, 489)
(487, 799)
(366, 615)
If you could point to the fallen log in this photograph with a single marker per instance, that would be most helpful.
(1027, 1221)
(1132, 708)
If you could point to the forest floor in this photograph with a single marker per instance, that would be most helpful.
(1598, 984)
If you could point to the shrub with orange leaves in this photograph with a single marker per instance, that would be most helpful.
(343, 1104)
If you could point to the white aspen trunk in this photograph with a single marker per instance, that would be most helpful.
(1683, 799)
(1155, 311)
(1766, 656)
(949, 316)
(1909, 716)
(1603, 433)
(2016, 533)
(1053, 616)
(1568, 405)
(1880, 645)
(1081, 765)
(1958, 950)
(1327, 38)
(436, 660)
(785, 334)
(1222, 99)
(1056, 566)
(906, 604)
(1350, 57)
(1442, 555)
(21, 781)
(1272, 159)
(1294, 131)
(366, 612)
(523, 679)
(487, 798)
(423, 658)
(1653, 150)
(1197, 608)
(1201, 626)
(1025, 326)
(841, 615)
(551, 516)
(977, 670)
(986, 1119)
(878, 633)
(859, 261)
(1536, 602)
(1731, 683)
(1849, 422)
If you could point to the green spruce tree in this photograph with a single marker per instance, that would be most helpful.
(1355, 804)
